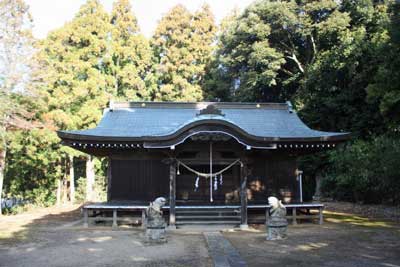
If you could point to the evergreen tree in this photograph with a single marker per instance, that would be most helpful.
(182, 49)
(267, 51)
(76, 78)
(333, 96)
(16, 49)
(385, 87)
(217, 83)
(130, 54)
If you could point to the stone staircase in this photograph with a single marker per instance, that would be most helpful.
(207, 216)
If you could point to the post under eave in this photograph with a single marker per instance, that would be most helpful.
(72, 179)
(109, 179)
(243, 197)
(172, 195)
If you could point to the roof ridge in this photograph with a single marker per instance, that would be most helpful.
(199, 105)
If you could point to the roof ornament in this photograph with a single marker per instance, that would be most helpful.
(290, 107)
(211, 109)
(111, 104)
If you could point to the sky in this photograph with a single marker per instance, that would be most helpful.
(52, 14)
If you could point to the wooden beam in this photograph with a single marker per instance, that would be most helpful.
(243, 197)
(172, 195)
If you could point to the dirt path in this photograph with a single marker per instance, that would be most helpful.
(16, 227)
(342, 241)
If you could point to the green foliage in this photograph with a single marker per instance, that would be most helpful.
(33, 165)
(75, 80)
(130, 55)
(100, 189)
(365, 171)
(333, 96)
(337, 61)
(80, 190)
(385, 88)
(41, 196)
(17, 209)
(182, 47)
(266, 52)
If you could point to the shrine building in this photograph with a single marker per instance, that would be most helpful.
(221, 156)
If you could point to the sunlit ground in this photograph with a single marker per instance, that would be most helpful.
(16, 226)
(345, 240)
(338, 217)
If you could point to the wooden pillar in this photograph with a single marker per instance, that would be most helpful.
(58, 194)
(143, 225)
(90, 177)
(294, 216)
(109, 179)
(115, 223)
(321, 215)
(71, 179)
(243, 197)
(85, 218)
(172, 195)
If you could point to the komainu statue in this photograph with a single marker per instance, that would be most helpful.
(155, 226)
(277, 222)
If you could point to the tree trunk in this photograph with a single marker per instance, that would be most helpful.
(2, 168)
(71, 179)
(89, 178)
(58, 192)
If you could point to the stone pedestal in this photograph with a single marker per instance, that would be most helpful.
(276, 228)
(155, 227)
(277, 223)
(155, 235)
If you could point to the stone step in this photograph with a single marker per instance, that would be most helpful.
(207, 222)
(208, 217)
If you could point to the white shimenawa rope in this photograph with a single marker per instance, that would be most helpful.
(208, 175)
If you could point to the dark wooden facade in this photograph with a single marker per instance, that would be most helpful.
(133, 178)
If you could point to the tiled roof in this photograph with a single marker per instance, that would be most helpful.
(152, 119)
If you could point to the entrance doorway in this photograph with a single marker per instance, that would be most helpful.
(227, 191)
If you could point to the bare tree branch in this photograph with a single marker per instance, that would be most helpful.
(298, 63)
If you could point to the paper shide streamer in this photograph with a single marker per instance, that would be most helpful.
(213, 176)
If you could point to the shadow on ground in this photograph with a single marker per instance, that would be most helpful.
(58, 239)
(344, 240)
(55, 238)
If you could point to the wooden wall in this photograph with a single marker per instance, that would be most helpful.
(142, 180)
(146, 179)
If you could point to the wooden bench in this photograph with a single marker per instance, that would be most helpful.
(295, 208)
(115, 208)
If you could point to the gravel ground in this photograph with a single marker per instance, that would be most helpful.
(104, 247)
(332, 244)
(48, 238)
